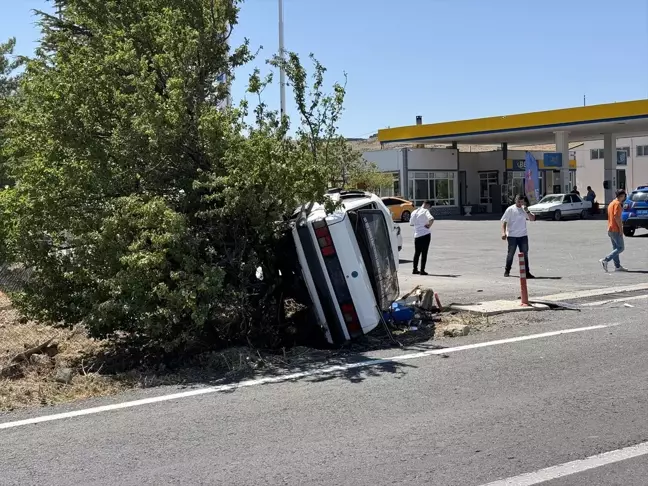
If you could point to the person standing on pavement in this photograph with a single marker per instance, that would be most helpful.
(514, 231)
(591, 195)
(615, 232)
(422, 221)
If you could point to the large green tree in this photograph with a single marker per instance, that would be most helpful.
(8, 95)
(9, 79)
(142, 207)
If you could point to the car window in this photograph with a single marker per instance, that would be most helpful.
(391, 202)
(576, 198)
(640, 196)
(566, 200)
(551, 199)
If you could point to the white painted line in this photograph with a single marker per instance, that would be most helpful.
(289, 377)
(612, 301)
(574, 467)
(581, 294)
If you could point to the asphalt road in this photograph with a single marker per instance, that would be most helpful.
(467, 259)
(473, 417)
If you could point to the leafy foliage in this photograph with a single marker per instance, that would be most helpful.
(145, 210)
(358, 173)
(8, 97)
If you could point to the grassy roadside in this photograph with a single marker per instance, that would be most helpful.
(70, 368)
(34, 381)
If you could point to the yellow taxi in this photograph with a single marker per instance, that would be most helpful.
(401, 209)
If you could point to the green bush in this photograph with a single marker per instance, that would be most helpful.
(142, 208)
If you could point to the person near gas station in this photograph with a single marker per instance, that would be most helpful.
(615, 232)
(422, 221)
(514, 231)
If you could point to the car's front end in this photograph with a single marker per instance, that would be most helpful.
(544, 211)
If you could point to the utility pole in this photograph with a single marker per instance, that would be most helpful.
(282, 71)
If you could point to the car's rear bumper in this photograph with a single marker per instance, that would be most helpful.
(636, 221)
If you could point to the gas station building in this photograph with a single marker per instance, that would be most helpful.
(454, 178)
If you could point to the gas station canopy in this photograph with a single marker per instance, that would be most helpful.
(584, 123)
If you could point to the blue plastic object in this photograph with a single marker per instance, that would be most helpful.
(402, 313)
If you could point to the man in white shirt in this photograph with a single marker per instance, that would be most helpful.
(514, 231)
(422, 220)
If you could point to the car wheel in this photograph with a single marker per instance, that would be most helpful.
(584, 213)
(557, 216)
(629, 231)
(405, 217)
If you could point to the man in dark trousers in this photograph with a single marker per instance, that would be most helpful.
(422, 221)
(514, 231)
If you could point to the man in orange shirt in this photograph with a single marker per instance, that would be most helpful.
(615, 232)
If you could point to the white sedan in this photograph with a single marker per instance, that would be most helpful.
(559, 206)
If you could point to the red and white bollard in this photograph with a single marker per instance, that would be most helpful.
(524, 293)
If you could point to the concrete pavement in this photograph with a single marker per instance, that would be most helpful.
(518, 397)
(467, 259)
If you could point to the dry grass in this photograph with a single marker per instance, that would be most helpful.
(34, 382)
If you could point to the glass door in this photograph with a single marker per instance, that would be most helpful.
(621, 179)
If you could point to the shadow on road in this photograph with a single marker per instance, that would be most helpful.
(238, 364)
(361, 373)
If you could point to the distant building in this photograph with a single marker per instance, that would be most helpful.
(455, 178)
(631, 164)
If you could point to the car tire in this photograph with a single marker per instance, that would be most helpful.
(405, 217)
(584, 214)
(557, 215)
(630, 232)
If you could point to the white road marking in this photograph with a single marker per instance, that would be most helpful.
(612, 301)
(574, 467)
(582, 294)
(289, 377)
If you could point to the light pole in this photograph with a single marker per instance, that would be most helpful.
(282, 72)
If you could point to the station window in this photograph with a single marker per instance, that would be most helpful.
(600, 153)
(596, 154)
(642, 150)
(438, 187)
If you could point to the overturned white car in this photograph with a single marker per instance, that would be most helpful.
(349, 263)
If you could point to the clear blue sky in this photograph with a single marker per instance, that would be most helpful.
(442, 59)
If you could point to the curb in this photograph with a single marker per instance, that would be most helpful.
(497, 307)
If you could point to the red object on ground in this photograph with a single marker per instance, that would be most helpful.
(524, 293)
(438, 301)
